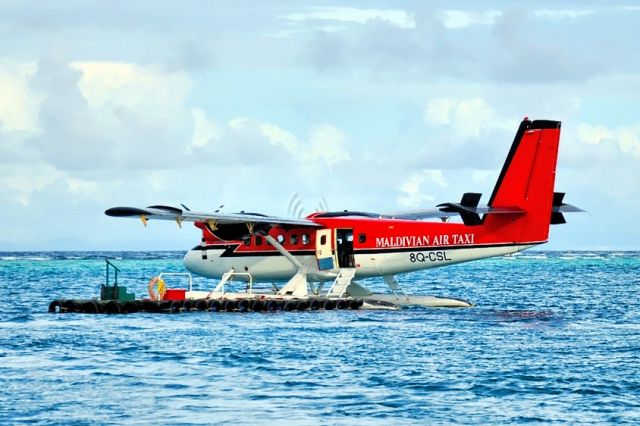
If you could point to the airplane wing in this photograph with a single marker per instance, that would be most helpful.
(180, 215)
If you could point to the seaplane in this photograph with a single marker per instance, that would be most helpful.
(344, 247)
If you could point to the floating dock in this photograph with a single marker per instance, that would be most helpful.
(115, 299)
(94, 306)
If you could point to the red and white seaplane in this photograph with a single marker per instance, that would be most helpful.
(343, 247)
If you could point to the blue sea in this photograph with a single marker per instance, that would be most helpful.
(554, 337)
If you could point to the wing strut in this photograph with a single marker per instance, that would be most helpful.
(298, 284)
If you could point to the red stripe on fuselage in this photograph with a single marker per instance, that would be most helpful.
(371, 234)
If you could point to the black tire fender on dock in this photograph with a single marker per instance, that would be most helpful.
(342, 304)
(112, 307)
(214, 306)
(303, 305)
(243, 305)
(130, 308)
(355, 304)
(290, 305)
(164, 305)
(257, 305)
(314, 305)
(70, 305)
(230, 305)
(176, 306)
(55, 307)
(149, 306)
(89, 307)
(329, 305)
(201, 304)
(272, 306)
(188, 305)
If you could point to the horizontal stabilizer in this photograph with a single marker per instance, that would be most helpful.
(557, 218)
(469, 210)
(466, 208)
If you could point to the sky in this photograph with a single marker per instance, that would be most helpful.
(362, 105)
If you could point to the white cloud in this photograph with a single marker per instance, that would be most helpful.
(140, 87)
(18, 104)
(467, 117)
(562, 13)
(204, 130)
(100, 115)
(412, 192)
(481, 176)
(22, 200)
(327, 143)
(438, 111)
(457, 19)
(246, 140)
(19, 181)
(81, 189)
(280, 137)
(593, 134)
(395, 17)
(627, 139)
(629, 8)
(239, 123)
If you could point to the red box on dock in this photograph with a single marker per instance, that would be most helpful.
(175, 294)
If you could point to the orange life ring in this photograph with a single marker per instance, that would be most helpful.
(161, 288)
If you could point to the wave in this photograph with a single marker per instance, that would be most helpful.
(89, 255)
(534, 256)
(32, 258)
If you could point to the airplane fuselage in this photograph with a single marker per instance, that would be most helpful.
(373, 246)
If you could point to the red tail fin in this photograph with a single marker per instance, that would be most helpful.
(526, 182)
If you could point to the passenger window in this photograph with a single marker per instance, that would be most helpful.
(294, 239)
(247, 241)
(305, 239)
(362, 238)
(258, 240)
(323, 240)
(280, 238)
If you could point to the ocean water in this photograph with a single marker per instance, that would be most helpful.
(553, 338)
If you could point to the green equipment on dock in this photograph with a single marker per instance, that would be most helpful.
(114, 291)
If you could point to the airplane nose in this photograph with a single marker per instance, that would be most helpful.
(193, 261)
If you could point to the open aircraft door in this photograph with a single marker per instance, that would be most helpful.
(324, 254)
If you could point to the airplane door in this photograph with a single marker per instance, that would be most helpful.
(323, 249)
(344, 243)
